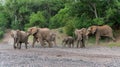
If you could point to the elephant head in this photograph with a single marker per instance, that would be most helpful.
(81, 37)
(91, 30)
(41, 35)
(33, 30)
(104, 30)
(78, 34)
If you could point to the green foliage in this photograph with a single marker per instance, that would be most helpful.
(36, 19)
(70, 26)
(4, 24)
(60, 19)
(98, 21)
(1, 34)
(69, 14)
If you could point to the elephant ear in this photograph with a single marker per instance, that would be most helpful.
(18, 32)
(76, 32)
(33, 30)
(93, 29)
(83, 30)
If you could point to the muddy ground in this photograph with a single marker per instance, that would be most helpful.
(91, 56)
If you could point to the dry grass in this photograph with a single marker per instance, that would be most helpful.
(112, 44)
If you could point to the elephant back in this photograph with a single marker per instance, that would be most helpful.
(44, 32)
(22, 35)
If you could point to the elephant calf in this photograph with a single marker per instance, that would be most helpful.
(69, 41)
(19, 38)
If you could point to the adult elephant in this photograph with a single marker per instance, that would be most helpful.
(40, 34)
(99, 31)
(81, 37)
(19, 38)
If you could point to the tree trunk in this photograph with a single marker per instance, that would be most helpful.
(95, 11)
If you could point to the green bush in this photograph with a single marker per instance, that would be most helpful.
(60, 30)
(70, 27)
(1, 34)
(60, 19)
(98, 21)
(36, 19)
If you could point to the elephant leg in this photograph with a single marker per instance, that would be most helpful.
(72, 44)
(26, 45)
(82, 44)
(34, 40)
(97, 40)
(14, 43)
(19, 45)
(113, 39)
(64, 44)
(42, 42)
(37, 39)
(69, 45)
(107, 39)
(50, 44)
(55, 43)
(86, 40)
(78, 43)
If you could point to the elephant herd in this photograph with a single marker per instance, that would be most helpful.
(46, 36)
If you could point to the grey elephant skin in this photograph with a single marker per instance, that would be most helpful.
(81, 37)
(104, 30)
(19, 38)
(40, 34)
(53, 38)
(68, 41)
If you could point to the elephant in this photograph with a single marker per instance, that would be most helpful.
(81, 37)
(68, 41)
(53, 38)
(40, 34)
(104, 30)
(19, 38)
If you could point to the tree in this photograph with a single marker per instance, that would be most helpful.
(37, 19)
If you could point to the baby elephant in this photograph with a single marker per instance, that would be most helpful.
(69, 41)
(19, 38)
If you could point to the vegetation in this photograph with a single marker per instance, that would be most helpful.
(67, 14)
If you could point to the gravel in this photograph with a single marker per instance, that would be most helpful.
(92, 56)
